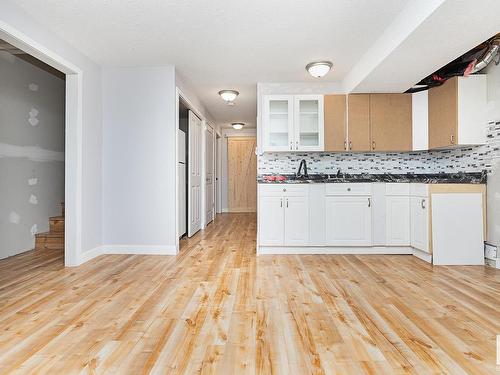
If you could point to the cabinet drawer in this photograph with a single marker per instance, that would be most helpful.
(283, 190)
(397, 189)
(349, 189)
(419, 190)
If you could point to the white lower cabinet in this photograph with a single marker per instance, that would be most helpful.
(398, 221)
(271, 221)
(419, 223)
(296, 221)
(283, 216)
(348, 221)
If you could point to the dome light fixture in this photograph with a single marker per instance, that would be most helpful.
(237, 125)
(228, 95)
(319, 69)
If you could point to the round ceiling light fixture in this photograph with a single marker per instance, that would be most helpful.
(237, 125)
(319, 68)
(228, 95)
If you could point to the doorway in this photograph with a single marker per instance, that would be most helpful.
(242, 174)
(32, 144)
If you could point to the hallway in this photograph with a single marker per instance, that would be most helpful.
(217, 308)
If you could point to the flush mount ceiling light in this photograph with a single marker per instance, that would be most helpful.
(228, 95)
(319, 68)
(237, 125)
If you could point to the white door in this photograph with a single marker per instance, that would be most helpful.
(296, 221)
(271, 221)
(308, 123)
(278, 122)
(210, 176)
(348, 221)
(194, 183)
(419, 223)
(398, 221)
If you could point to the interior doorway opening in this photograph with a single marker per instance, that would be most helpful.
(32, 148)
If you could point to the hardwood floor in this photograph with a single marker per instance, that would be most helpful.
(216, 308)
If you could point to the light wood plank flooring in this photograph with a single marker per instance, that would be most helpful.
(218, 309)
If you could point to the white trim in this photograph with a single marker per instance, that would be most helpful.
(29, 152)
(74, 137)
(225, 210)
(422, 255)
(308, 250)
(127, 250)
(139, 249)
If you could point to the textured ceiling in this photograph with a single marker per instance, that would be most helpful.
(221, 44)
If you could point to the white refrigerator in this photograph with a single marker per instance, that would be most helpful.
(181, 147)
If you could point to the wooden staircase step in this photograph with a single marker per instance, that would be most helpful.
(56, 224)
(49, 240)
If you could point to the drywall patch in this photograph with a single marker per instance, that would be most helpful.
(14, 218)
(33, 181)
(33, 87)
(34, 229)
(33, 120)
(33, 199)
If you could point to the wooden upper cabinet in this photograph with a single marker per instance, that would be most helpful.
(457, 112)
(358, 115)
(335, 122)
(391, 122)
(443, 114)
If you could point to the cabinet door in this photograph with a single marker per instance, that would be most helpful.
(309, 123)
(335, 122)
(348, 221)
(391, 122)
(296, 221)
(358, 122)
(419, 223)
(443, 114)
(398, 221)
(271, 221)
(278, 123)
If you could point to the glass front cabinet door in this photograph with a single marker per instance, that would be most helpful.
(278, 123)
(308, 122)
(293, 123)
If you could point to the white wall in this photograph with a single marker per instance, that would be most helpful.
(11, 16)
(493, 237)
(139, 160)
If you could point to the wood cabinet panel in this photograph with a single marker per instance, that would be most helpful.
(391, 122)
(358, 115)
(443, 114)
(335, 122)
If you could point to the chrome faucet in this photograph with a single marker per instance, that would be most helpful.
(302, 164)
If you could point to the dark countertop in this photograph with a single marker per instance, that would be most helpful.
(436, 178)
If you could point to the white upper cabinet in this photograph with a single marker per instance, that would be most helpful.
(293, 123)
(308, 123)
(278, 123)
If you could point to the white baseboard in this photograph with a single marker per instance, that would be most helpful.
(225, 210)
(125, 249)
(139, 249)
(308, 250)
(422, 255)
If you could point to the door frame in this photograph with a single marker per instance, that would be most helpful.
(210, 132)
(73, 159)
(179, 95)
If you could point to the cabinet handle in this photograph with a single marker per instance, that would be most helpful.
(373, 145)
(296, 145)
(287, 203)
(281, 202)
(369, 202)
(345, 145)
(452, 139)
(422, 204)
(350, 145)
(291, 145)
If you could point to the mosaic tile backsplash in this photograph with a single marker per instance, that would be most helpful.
(464, 159)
